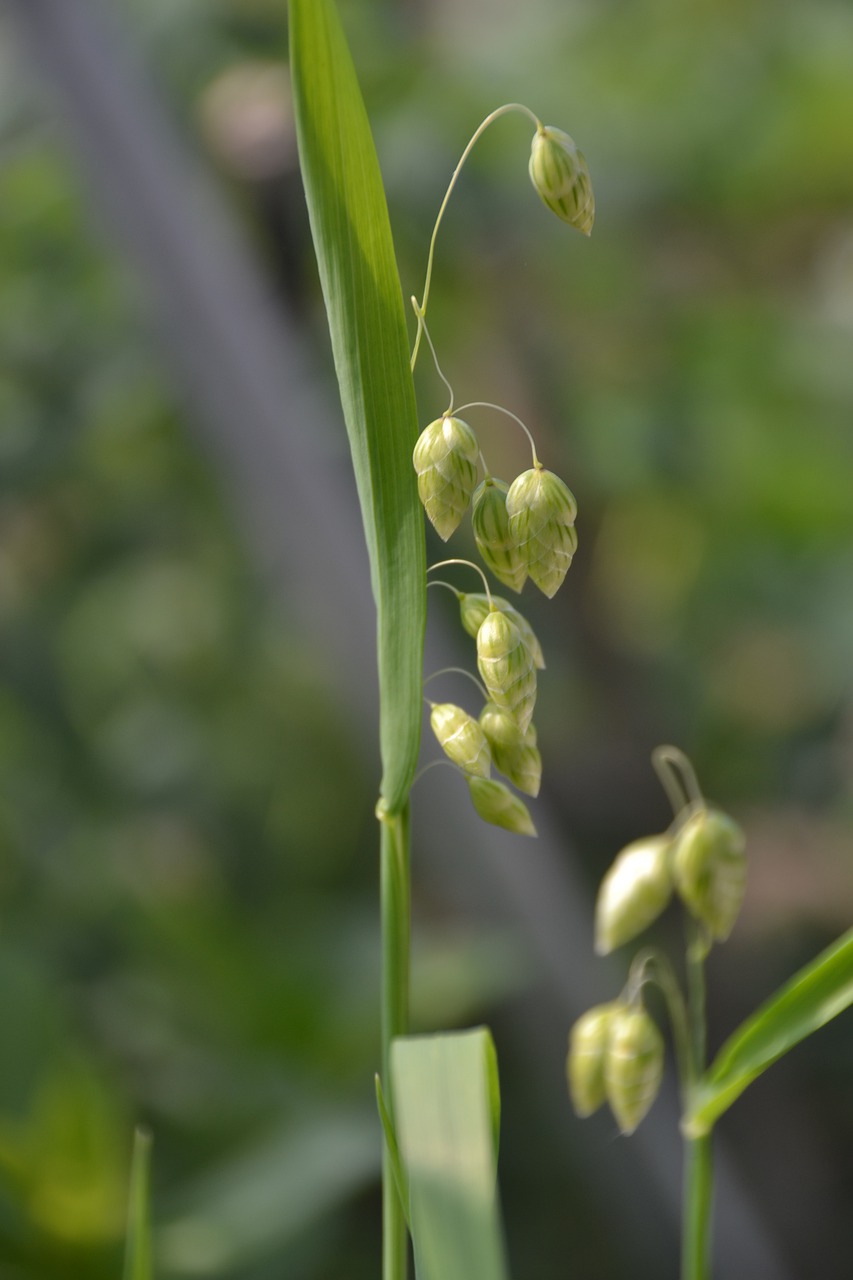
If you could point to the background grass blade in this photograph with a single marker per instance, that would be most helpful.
(444, 1090)
(361, 287)
(137, 1259)
(812, 998)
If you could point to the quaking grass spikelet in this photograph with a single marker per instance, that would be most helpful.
(445, 458)
(588, 1041)
(633, 893)
(490, 522)
(560, 175)
(473, 608)
(506, 667)
(461, 738)
(496, 804)
(709, 867)
(633, 1066)
(542, 511)
(514, 752)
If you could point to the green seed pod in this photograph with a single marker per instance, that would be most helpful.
(496, 804)
(506, 666)
(560, 175)
(588, 1040)
(633, 893)
(633, 1066)
(445, 459)
(709, 869)
(542, 512)
(473, 609)
(491, 533)
(514, 753)
(461, 738)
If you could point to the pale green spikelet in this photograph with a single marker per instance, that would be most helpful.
(473, 608)
(514, 752)
(633, 893)
(506, 667)
(496, 804)
(462, 738)
(588, 1040)
(492, 536)
(633, 1066)
(560, 175)
(542, 510)
(445, 459)
(709, 868)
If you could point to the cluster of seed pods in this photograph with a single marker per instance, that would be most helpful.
(701, 860)
(522, 530)
(508, 655)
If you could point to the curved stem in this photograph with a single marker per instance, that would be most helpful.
(395, 909)
(442, 563)
(678, 778)
(490, 119)
(486, 404)
(438, 582)
(460, 671)
(664, 977)
(422, 325)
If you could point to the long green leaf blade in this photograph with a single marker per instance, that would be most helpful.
(137, 1258)
(361, 287)
(445, 1098)
(818, 993)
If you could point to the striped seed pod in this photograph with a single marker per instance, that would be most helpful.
(445, 459)
(491, 533)
(709, 868)
(542, 512)
(496, 804)
(633, 1066)
(506, 667)
(588, 1040)
(514, 753)
(560, 175)
(461, 738)
(633, 893)
(473, 608)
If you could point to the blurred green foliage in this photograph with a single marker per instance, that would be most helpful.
(187, 914)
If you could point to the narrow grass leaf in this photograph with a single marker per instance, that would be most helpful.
(445, 1111)
(361, 287)
(137, 1259)
(818, 993)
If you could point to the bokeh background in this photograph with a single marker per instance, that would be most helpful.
(188, 914)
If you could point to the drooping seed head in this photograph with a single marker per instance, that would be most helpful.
(588, 1040)
(506, 667)
(709, 868)
(633, 1066)
(461, 738)
(560, 175)
(496, 804)
(491, 533)
(473, 609)
(445, 459)
(633, 893)
(542, 510)
(514, 753)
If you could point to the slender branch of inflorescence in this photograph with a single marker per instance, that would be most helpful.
(422, 326)
(678, 779)
(443, 563)
(459, 671)
(486, 404)
(421, 307)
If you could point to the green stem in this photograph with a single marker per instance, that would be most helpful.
(698, 1193)
(698, 1162)
(395, 906)
(420, 307)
